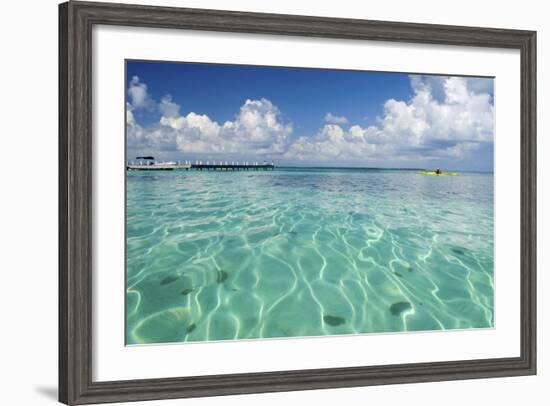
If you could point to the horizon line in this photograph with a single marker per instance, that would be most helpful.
(379, 167)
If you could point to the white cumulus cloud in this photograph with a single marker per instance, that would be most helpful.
(138, 95)
(446, 117)
(333, 143)
(333, 119)
(256, 129)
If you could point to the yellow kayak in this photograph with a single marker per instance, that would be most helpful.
(438, 174)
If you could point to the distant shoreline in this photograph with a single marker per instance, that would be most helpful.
(367, 168)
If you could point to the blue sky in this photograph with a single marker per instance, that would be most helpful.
(297, 116)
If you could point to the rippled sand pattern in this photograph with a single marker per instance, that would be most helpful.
(223, 256)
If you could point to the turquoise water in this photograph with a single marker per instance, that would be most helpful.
(306, 252)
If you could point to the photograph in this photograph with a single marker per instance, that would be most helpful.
(259, 200)
(269, 202)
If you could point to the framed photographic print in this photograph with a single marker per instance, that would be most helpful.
(257, 202)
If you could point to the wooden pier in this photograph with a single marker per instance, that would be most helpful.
(232, 167)
(225, 167)
(157, 167)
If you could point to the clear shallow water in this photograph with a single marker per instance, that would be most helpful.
(303, 252)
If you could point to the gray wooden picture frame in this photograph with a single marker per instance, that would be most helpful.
(76, 20)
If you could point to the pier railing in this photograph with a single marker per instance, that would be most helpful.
(232, 167)
(200, 166)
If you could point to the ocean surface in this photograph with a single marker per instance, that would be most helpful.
(306, 252)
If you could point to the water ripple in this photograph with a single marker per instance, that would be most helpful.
(225, 256)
